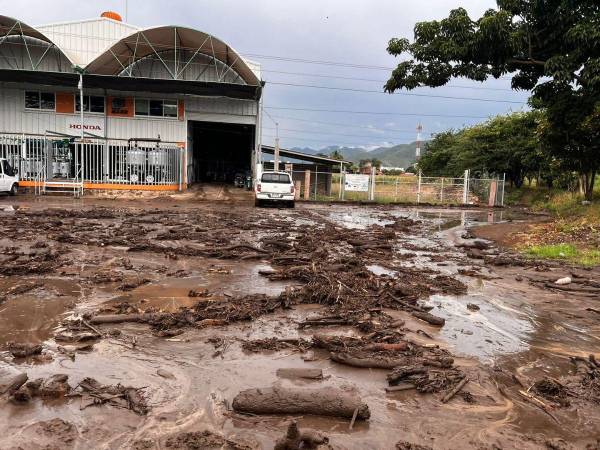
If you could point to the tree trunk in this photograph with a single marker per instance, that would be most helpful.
(587, 181)
(320, 402)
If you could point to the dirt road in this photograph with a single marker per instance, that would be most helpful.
(174, 309)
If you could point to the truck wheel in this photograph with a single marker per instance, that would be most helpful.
(13, 190)
(257, 203)
(292, 204)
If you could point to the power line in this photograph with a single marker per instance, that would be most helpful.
(346, 125)
(312, 140)
(337, 77)
(315, 61)
(329, 133)
(376, 113)
(407, 94)
(329, 63)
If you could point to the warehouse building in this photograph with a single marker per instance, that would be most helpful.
(101, 104)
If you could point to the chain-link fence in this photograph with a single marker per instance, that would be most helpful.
(320, 185)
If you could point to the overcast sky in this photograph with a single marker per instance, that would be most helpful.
(340, 31)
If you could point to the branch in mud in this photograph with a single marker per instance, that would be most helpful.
(117, 395)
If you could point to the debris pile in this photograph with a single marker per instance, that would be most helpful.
(94, 393)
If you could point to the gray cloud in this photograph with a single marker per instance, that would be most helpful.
(350, 31)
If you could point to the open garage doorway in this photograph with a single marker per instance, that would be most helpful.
(220, 151)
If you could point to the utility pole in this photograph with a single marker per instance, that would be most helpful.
(418, 149)
(276, 155)
(276, 152)
(81, 119)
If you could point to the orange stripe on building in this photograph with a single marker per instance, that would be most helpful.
(114, 186)
(119, 106)
(65, 103)
(181, 110)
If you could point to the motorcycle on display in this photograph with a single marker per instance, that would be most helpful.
(239, 180)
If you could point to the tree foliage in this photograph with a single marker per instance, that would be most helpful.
(336, 154)
(550, 47)
(374, 162)
(503, 145)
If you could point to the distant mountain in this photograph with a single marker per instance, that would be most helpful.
(401, 155)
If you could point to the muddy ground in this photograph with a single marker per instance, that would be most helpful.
(160, 312)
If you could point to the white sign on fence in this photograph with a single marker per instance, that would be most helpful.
(356, 183)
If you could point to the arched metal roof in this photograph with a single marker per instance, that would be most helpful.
(10, 26)
(156, 40)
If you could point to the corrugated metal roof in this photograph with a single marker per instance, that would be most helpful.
(303, 156)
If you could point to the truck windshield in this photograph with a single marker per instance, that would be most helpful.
(275, 178)
(8, 170)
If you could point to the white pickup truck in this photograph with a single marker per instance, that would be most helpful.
(9, 179)
(275, 187)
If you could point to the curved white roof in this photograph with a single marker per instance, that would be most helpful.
(157, 40)
(10, 26)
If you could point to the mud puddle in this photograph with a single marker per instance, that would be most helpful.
(32, 317)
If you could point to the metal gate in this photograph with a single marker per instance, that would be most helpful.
(43, 161)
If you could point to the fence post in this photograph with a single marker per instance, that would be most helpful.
(503, 184)
(466, 188)
(373, 181)
(181, 150)
(316, 182)
(419, 188)
(306, 184)
(442, 191)
(341, 170)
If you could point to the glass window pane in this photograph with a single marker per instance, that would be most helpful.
(32, 100)
(141, 107)
(47, 101)
(275, 178)
(119, 106)
(156, 108)
(8, 170)
(96, 104)
(86, 103)
(170, 108)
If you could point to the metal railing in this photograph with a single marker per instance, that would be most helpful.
(120, 162)
(42, 159)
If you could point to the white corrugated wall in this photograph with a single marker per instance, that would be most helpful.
(84, 40)
(14, 118)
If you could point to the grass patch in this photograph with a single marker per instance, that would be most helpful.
(567, 252)
(559, 203)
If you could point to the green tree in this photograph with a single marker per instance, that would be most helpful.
(505, 144)
(373, 161)
(550, 47)
(336, 154)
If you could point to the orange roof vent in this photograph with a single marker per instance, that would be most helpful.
(112, 15)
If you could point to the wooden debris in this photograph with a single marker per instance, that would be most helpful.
(311, 374)
(429, 318)
(321, 402)
(455, 390)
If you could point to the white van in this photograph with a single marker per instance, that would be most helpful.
(9, 179)
(276, 187)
